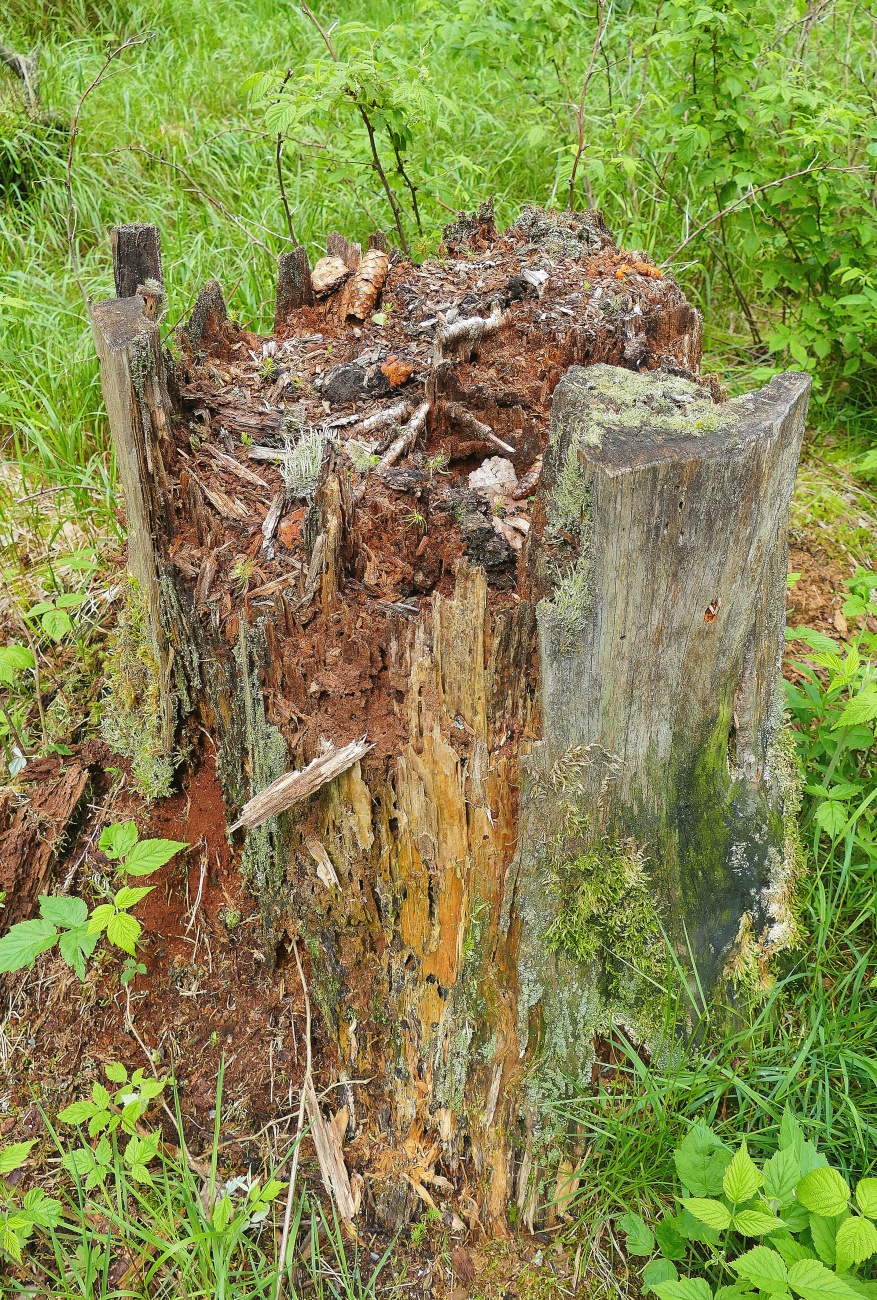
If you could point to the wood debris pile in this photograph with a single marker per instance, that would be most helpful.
(427, 389)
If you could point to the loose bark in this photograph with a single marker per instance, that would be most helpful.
(368, 281)
(136, 257)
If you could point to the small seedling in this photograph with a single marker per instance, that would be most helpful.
(65, 920)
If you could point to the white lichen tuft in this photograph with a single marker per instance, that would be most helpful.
(300, 466)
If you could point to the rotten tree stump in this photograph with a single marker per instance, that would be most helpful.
(502, 531)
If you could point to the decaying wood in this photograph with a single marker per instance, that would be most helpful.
(348, 252)
(327, 1142)
(208, 317)
(292, 787)
(294, 287)
(139, 412)
(406, 439)
(518, 657)
(328, 274)
(272, 519)
(136, 257)
(364, 289)
(454, 411)
(40, 826)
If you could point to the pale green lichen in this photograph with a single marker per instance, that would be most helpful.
(601, 401)
(300, 467)
(132, 706)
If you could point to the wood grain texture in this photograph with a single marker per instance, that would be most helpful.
(136, 257)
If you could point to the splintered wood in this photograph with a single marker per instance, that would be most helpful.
(292, 787)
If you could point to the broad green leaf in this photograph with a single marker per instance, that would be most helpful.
(77, 1113)
(14, 1156)
(56, 624)
(100, 1096)
(124, 930)
(684, 1288)
(99, 1121)
(10, 1243)
(117, 840)
(781, 1174)
(824, 1192)
(764, 1267)
(670, 1241)
(856, 1241)
(24, 942)
(795, 1216)
(79, 1161)
(861, 708)
(701, 1160)
(814, 1281)
(149, 855)
(755, 1223)
(66, 912)
(713, 1213)
(153, 1088)
(44, 1210)
(810, 1159)
(71, 599)
(866, 1196)
(790, 1249)
(75, 946)
(116, 1072)
(735, 1292)
(100, 918)
(640, 1239)
(658, 1270)
(13, 660)
(742, 1178)
(223, 1214)
(824, 1231)
(129, 897)
(140, 1174)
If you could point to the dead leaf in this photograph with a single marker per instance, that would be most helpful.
(463, 1266)
(840, 623)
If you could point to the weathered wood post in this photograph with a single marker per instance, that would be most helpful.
(134, 387)
(572, 742)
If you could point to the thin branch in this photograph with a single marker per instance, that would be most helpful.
(749, 196)
(400, 168)
(68, 174)
(376, 161)
(285, 201)
(208, 198)
(603, 12)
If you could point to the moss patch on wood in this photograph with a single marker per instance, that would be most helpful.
(131, 714)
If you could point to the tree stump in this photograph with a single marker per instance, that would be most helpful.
(502, 578)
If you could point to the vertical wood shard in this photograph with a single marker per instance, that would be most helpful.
(294, 287)
(136, 257)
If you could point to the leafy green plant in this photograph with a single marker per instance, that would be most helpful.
(66, 920)
(20, 1215)
(834, 707)
(813, 1236)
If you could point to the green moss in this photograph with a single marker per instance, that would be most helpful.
(132, 711)
(607, 915)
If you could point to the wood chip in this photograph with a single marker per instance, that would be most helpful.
(292, 787)
(226, 505)
(229, 463)
(328, 274)
(327, 1141)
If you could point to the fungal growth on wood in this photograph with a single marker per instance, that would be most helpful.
(473, 511)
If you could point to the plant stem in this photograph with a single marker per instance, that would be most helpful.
(278, 156)
(376, 161)
(400, 168)
(602, 15)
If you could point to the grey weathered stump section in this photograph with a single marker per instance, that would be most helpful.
(656, 796)
(139, 411)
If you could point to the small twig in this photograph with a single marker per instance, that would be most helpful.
(208, 198)
(197, 902)
(603, 11)
(406, 439)
(68, 174)
(749, 196)
(412, 188)
(307, 1082)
